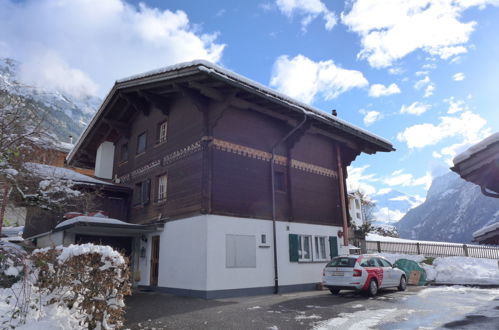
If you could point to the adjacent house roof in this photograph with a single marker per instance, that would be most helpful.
(210, 81)
(480, 165)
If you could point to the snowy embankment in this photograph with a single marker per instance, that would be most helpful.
(455, 270)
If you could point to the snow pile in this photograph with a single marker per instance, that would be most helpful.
(20, 309)
(466, 270)
(109, 256)
(455, 270)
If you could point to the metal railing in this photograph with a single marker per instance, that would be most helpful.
(434, 249)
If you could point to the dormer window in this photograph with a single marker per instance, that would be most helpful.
(141, 143)
(162, 131)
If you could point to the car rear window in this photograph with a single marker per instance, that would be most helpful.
(342, 262)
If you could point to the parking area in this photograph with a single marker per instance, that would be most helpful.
(418, 307)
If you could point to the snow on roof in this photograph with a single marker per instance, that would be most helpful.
(89, 219)
(486, 229)
(12, 231)
(48, 171)
(225, 74)
(213, 69)
(484, 144)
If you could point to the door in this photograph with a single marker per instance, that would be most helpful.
(388, 279)
(154, 261)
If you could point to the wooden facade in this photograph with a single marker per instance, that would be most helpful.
(218, 149)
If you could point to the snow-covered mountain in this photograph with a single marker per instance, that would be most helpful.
(65, 115)
(453, 210)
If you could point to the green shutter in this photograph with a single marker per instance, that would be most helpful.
(333, 246)
(293, 247)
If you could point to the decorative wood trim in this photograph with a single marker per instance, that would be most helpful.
(267, 156)
(182, 153)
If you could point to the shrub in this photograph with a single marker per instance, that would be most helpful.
(88, 277)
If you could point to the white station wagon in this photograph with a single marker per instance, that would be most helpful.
(365, 272)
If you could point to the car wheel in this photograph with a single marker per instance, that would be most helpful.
(334, 291)
(373, 288)
(403, 283)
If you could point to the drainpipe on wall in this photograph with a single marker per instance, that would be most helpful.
(341, 183)
(274, 216)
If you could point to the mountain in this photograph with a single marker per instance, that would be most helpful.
(452, 211)
(65, 115)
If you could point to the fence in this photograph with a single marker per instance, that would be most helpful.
(434, 249)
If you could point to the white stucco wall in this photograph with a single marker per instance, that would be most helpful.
(193, 254)
(104, 160)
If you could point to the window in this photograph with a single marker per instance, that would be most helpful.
(162, 131)
(305, 248)
(342, 262)
(384, 263)
(162, 184)
(279, 181)
(124, 152)
(320, 248)
(142, 192)
(240, 251)
(357, 203)
(358, 215)
(264, 239)
(141, 143)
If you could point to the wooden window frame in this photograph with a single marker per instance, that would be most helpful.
(301, 248)
(122, 153)
(317, 251)
(162, 138)
(137, 151)
(165, 197)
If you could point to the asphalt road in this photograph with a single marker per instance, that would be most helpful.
(314, 309)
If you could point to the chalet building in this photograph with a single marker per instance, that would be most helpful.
(355, 209)
(237, 189)
(480, 165)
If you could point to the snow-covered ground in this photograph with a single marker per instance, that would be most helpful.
(431, 308)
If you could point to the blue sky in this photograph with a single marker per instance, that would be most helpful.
(420, 73)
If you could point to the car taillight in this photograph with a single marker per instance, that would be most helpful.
(357, 273)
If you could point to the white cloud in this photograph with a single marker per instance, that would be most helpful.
(456, 106)
(304, 79)
(458, 76)
(468, 126)
(309, 10)
(395, 70)
(371, 117)
(378, 90)
(90, 43)
(436, 154)
(358, 180)
(421, 83)
(429, 90)
(399, 178)
(392, 29)
(383, 191)
(387, 216)
(416, 108)
(421, 73)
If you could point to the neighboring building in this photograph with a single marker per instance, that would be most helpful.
(480, 165)
(237, 189)
(355, 209)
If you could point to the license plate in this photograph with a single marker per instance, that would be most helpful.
(337, 273)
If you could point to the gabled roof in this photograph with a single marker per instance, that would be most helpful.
(202, 76)
(480, 164)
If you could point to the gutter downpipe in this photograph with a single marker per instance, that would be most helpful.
(272, 176)
(342, 195)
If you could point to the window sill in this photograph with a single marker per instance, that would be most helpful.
(140, 154)
(161, 201)
(124, 162)
(158, 144)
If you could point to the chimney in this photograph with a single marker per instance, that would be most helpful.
(334, 113)
(71, 139)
